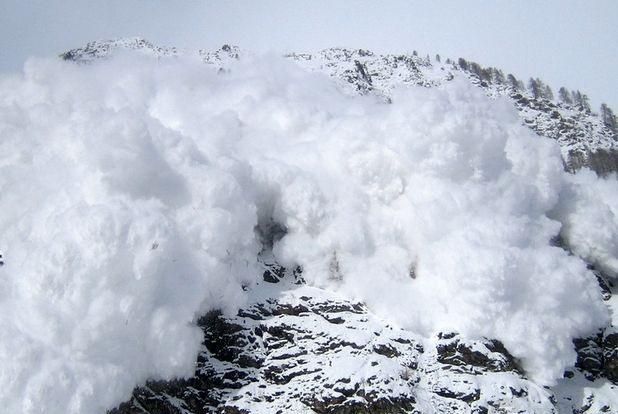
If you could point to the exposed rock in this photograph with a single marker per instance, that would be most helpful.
(610, 354)
(282, 353)
(589, 355)
(488, 355)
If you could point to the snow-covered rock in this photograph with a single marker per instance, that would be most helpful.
(297, 349)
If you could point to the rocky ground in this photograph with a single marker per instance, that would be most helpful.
(298, 349)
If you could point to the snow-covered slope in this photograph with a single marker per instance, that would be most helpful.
(437, 256)
(577, 131)
(583, 137)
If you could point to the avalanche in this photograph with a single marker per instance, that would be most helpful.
(131, 191)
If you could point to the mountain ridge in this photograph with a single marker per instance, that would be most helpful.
(584, 138)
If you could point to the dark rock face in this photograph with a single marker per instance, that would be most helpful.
(597, 355)
(609, 346)
(487, 355)
(590, 355)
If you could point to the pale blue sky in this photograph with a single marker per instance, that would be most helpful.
(569, 42)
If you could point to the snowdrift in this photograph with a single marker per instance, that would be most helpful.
(136, 195)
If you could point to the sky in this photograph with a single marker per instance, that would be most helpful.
(568, 43)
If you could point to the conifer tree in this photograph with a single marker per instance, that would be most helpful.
(534, 88)
(548, 93)
(576, 96)
(565, 96)
(498, 76)
(586, 103)
(608, 117)
(486, 74)
(475, 68)
(542, 87)
(512, 81)
(581, 101)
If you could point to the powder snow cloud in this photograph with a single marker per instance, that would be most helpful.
(131, 190)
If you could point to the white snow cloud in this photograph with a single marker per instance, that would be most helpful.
(589, 211)
(131, 189)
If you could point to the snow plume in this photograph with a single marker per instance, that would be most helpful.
(589, 211)
(131, 190)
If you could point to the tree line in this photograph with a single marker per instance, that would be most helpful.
(537, 88)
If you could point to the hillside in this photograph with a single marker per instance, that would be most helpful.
(338, 232)
(585, 140)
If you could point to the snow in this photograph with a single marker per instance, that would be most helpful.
(589, 212)
(131, 189)
(574, 393)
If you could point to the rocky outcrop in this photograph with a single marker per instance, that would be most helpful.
(301, 349)
(609, 347)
